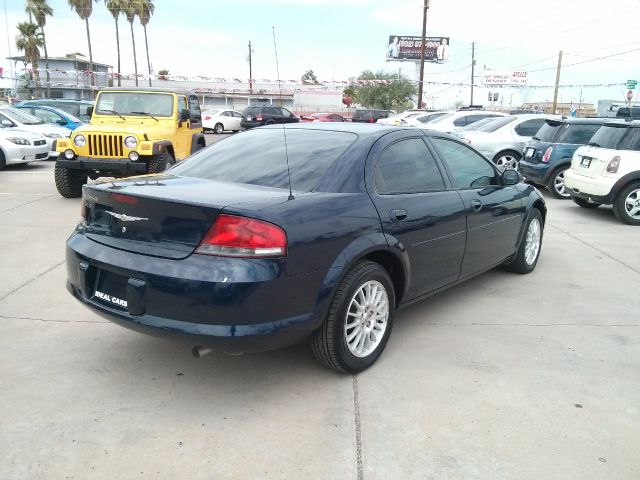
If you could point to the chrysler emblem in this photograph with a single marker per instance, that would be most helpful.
(126, 218)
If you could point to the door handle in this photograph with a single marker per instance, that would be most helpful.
(398, 216)
(476, 205)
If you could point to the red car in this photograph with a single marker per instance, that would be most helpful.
(323, 117)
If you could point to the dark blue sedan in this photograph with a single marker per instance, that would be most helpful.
(239, 249)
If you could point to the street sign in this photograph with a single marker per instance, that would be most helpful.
(630, 95)
(631, 84)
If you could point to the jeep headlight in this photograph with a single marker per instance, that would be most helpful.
(80, 141)
(130, 142)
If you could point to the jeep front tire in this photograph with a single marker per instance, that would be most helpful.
(69, 182)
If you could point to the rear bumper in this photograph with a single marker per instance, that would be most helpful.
(599, 190)
(535, 172)
(236, 305)
(247, 125)
(120, 165)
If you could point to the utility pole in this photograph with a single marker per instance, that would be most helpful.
(555, 92)
(250, 72)
(424, 41)
(473, 66)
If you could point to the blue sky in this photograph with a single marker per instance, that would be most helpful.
(340, 38)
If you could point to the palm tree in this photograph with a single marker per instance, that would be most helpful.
(146, 10)
(30, 40)
(116, 7)
(40, 10)
(132, 8)
(84, 8)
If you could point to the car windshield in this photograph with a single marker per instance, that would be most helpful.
(440, 118)
(491, 124)
(258, 157)
(609, 136)
(125, 103)
(549, 131)
(578, 134)
(21, 117)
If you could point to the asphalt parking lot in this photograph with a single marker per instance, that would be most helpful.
(506, 376)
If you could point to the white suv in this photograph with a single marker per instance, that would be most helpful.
(607, 171)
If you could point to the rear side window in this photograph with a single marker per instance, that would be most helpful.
(258, 157)
(362, 114)
(469, 170)
(529, 128)
(576, 134)
(631, 140)
(407, 166)
(252, 110)
(460, 122)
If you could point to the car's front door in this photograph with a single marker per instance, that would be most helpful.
(182, 137)
(494, 211)
(420, 213)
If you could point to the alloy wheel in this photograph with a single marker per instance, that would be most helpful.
(366, 318)
(632, 204)
(532, 242)
(507, 161)
(558, 185)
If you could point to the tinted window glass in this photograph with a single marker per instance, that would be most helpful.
(549, 130)
(441, 117)
(286, 113)
(608, 137)
(529, 128)
(252, 110)
(194, 108)
(271, 111)
(631, 140)
(47, 116)
(407, 166)
(574, 133)
(21, 116)
(258, 157)
(460, 122)
(491, 124)
(182, 103)
(469, 169)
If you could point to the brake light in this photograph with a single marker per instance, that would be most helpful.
(371, 120)
(207, 117)
(233, 236)
(613, 165)
(547, 155)
(259, 118)
(121, 198)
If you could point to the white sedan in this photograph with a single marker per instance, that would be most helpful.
(21, 120)
(219, 120)
(20, 146)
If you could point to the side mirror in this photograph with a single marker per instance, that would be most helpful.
(7, 123)
(89, 111)
(185, 114)
(62, 122)
(510, 177)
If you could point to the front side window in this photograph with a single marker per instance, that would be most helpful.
(135, 103)
(407, 166)
(194, 108)
(468, 169)
(182, 103)
(48, 116)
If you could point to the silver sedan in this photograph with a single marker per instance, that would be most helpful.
(501, 140)
(18, 146)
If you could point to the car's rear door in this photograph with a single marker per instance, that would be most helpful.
(494, 211)
(420, 213)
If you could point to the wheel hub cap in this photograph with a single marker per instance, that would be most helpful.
(632, 204)
(532, 242)
(366, 319)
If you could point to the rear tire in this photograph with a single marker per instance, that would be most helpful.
(3, 162)
(508, 159)
(627, 204)
(583, 203)
(361, 311)
(160, 162)
(218, 128)
(528, 253)
(269, 122)
(69, 182)
(556, 184)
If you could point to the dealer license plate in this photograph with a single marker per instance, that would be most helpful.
(585, 162)
(111, 290)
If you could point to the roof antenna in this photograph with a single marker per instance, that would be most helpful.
(284, 130)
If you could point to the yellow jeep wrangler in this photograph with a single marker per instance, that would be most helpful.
(132, 131)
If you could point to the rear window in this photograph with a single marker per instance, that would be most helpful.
(363, 114)
(431, 117)
(548, 131)
(609, 137)
(492, 124)
(258, 157)
(576, 134)
(251, 110)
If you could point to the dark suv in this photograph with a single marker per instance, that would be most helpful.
(369, 115)
(548, 155)
(259, 115)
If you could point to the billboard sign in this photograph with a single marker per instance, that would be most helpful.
(402, 47)
(506, 77)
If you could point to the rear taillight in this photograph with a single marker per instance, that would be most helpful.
(233, 236)
(547, 155)
(259, 118)
(207, 117)
(372, 120)
(613, 165)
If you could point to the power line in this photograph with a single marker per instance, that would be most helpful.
(587, 61)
